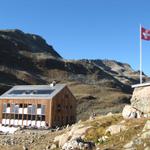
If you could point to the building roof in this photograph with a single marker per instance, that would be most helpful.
(33, 91)
(141, 85)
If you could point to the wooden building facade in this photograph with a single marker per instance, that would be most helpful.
(38, 105)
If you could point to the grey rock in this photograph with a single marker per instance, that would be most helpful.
(48, 147)
(25, 147)
(53, 146)
(129, 112)
(78, 144)
(115, 129)
(129, 145)
(138, 141)
(141, 99)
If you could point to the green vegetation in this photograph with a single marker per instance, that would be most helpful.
(99, 127)
(117, 141)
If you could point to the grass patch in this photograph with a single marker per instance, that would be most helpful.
(114, 142)
(99, 127)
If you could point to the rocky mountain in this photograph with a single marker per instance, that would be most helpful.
(19, 41)
(99, 85)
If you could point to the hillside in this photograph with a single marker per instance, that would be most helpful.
(100, 86)
(109, 132)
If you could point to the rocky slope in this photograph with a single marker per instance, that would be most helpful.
(106, 132)
(109, 132)
(99, 85)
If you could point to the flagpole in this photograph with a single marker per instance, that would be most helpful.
(140, 57)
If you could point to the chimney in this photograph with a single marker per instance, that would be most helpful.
(53, 84)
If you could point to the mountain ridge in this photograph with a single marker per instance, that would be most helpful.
(27, 42)
(28, 59)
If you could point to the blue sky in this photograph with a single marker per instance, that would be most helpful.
(95, 29)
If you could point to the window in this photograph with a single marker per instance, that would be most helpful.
(16, 116)
(4, 116)
(20, 105)
(7, 116)
(25, 117)
(25, 105)
(4, 107)
(29, 117)
(38, 117)
(43, 109)
(29, 109)
(16, 109)
(12, 108)
(43, 118)
(38, 105)
(33, 109)
(33, 117)
(20, 116)
(8, 105)
(12, 116)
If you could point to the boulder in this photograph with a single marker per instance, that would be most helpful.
(129, 145)
(76, 132)
(62, 139)
(141, 99)
(53, 146)
(130, 112)
(115, 129)
(110, 114)
(78, 144)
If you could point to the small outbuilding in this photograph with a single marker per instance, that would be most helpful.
(38, 105)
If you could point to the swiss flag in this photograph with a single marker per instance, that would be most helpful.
(145, 34)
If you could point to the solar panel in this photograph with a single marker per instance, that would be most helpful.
(17, 92)
(44, 91)
(30, 92)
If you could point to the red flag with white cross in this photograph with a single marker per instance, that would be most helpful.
(145, 34)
